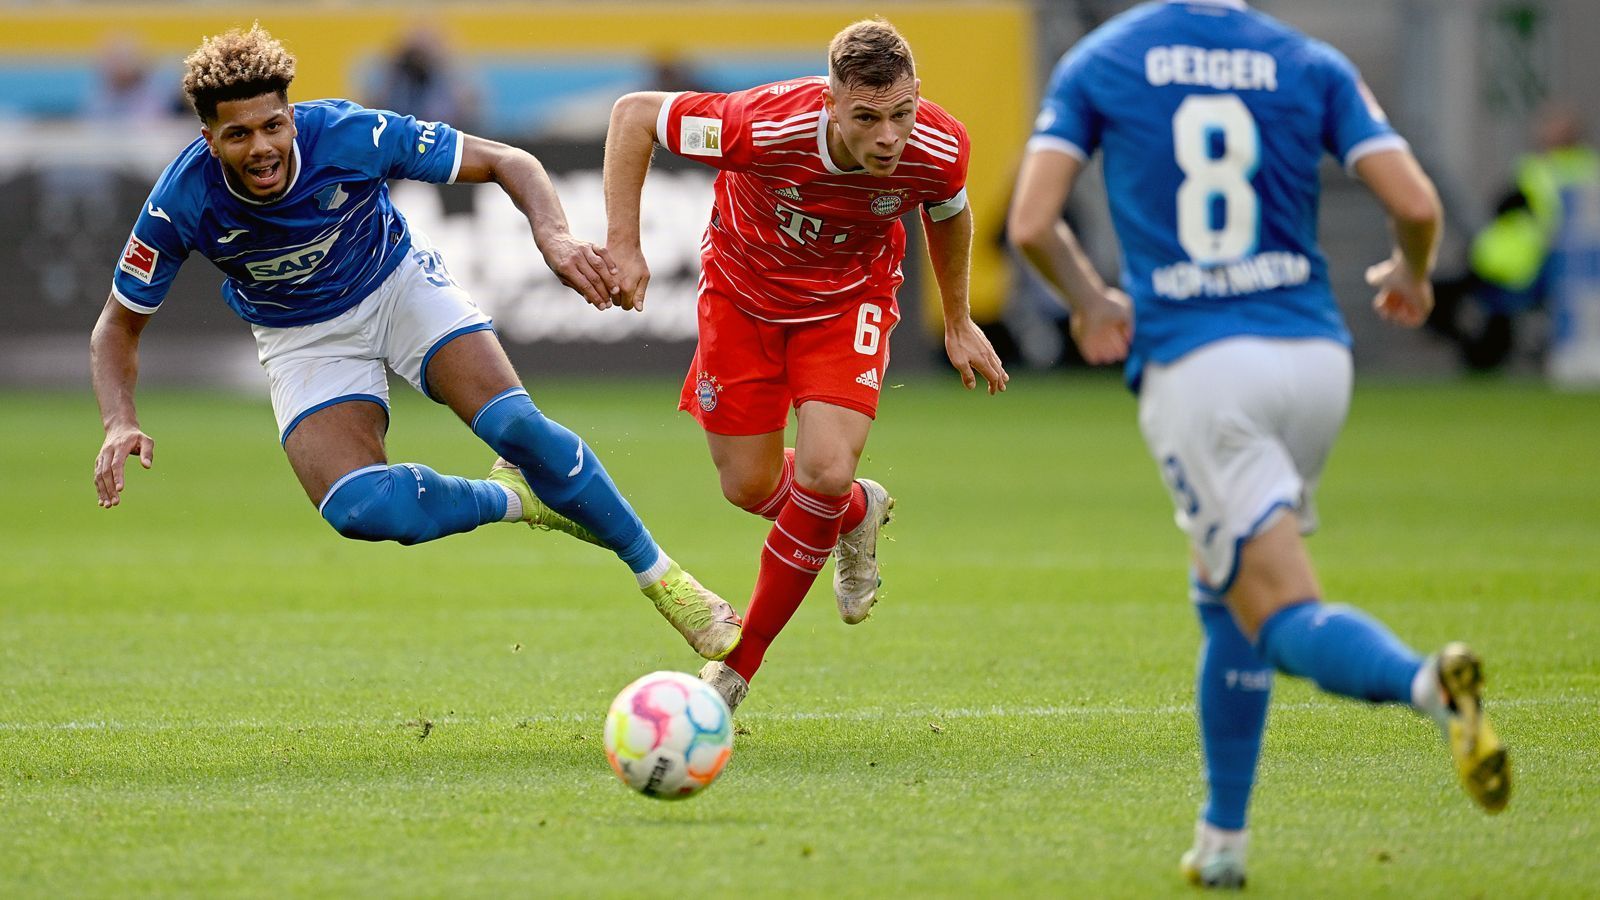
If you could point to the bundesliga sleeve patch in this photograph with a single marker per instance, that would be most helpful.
(139, 259)
(700, 136)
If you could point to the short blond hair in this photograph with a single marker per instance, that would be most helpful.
(237, 65)
(869, 53)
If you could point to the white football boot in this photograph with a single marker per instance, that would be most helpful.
(730, 684)
(1217, 858)
(855, 570)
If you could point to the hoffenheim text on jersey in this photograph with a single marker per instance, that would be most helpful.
(1213, 117)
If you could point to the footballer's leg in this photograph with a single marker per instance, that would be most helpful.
(1349, 653)
(829, 441)
(337, 453)
(749, 483)
(472, 375)
(1232, 690)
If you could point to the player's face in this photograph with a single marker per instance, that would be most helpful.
(254, 139)
(872, 123)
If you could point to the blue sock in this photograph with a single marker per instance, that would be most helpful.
(1233, 687)
(1342, 649)
(409, 503)
(566, 474)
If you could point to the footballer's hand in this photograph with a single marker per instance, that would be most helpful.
(1103, 328)
(583, 267)
(969, 348)
(120, 444)
(1402, 298)
(634, 276)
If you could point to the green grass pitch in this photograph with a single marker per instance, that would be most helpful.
(206, 692)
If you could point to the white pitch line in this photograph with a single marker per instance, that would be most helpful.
(848, 715)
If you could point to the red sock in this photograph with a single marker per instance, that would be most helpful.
(769, 508)
(797, 547)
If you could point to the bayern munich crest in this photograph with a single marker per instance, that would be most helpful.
(886, 204)
(706, 390)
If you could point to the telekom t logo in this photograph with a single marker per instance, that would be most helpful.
(798, 225)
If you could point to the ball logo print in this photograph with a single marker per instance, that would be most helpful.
(668, 735)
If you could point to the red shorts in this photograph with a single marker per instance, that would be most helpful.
(747, 372)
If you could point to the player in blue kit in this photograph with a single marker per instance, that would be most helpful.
(1212, 120)
(291, 203)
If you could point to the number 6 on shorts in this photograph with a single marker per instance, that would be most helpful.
(868, 334)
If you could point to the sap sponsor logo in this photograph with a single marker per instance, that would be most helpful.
(139, 259)
(699, 136)
(429, 137)
(706, 389)
(295, 264)
(1225, 70)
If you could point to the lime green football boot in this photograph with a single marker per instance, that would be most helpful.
(705, 620)
(534, 511)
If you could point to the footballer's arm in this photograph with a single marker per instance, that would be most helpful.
(950, 250)
(1405, 291)
(630, 140)
(1102, 317)
(114, 370)
(579, 264)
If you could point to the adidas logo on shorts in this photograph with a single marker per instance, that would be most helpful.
(869, 378)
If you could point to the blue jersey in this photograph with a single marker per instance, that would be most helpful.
(318, 249)
(1213, 118)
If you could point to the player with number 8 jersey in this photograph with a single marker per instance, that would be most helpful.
(801, 261)
(1212, 120)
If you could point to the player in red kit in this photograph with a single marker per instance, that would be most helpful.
(801, 262)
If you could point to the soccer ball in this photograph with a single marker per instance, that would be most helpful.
(668, 735)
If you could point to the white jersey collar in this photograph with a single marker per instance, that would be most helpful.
(293, 179)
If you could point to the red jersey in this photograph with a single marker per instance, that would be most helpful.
(792, 236)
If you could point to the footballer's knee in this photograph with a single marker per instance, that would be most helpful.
(520, 433)
(830, 476)
(747, 490)
(378, 504)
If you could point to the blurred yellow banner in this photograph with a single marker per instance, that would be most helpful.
(975, 59)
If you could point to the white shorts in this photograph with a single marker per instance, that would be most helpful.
(414, 312)
(1241, 429)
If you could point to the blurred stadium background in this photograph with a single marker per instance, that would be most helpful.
(89, 114)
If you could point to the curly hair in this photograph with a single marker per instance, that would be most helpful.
(869, 53)
(236, 66)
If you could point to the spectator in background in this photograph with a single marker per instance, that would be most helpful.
(128, 90)
(1508, 262)
(420, 80)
